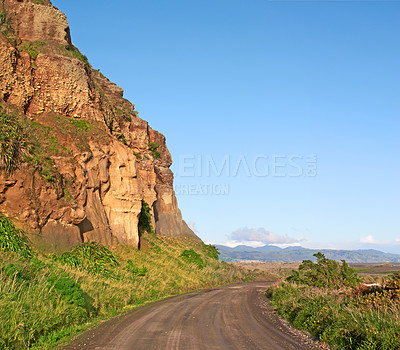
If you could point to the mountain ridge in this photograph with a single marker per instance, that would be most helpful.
(297, 254)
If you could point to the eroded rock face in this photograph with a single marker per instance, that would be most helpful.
(38, 22)
(99, 186)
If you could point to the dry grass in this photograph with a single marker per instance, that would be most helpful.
(274, 270)
(37, 314)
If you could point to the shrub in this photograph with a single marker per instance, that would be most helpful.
(13, 240)
(153, 147)
(211, 251)
(16, 271)
(13, 140)
(91, 256)
(135, 270)
(75, 53)
(325, 273)
(138, 155)
(122, 138)
(336, 319)
(70, 291)
(191, 257)
(379, 297)
(144, 224)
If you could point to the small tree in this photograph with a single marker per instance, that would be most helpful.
(325, 273)
(212, 251)
(144, 224)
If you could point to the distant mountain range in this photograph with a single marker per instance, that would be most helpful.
(269, 253)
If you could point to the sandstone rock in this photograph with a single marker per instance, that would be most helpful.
(108, 169)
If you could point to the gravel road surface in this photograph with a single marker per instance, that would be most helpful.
(232, 317)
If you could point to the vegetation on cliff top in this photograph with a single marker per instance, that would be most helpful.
(37, 142)
(45, 300)
(5, 27)
(14, 140)
(330, 303)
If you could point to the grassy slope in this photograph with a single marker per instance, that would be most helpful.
(44, 302)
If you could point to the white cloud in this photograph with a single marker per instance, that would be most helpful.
(369, 239)
(254, 244)
(286, 245)
(258, 236)
(385, 245)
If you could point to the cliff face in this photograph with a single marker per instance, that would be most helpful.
(96, 159)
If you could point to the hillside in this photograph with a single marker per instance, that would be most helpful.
(77, 163)
(297, 254)
(46, 299)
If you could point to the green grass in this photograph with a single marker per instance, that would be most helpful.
(191, 257)
(349, 317)
(13, 240)
(45, 300)
(122, 138)
(46, 141)
(153, 147)
(32, 48)
(75, 53)
(138, 155)
(81, 125)
(6, 29)
(14, 140)
(90, 256)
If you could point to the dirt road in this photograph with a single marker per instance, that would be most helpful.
(232, 317)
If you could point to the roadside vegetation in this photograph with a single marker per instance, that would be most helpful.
(329, 300)
(46, 299)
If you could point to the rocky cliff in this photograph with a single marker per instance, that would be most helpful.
(85, 160)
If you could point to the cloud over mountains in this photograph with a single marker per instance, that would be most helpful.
(261, 236)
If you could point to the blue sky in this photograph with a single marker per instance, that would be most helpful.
(282, 117)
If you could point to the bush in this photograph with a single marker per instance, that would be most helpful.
(191, 257)
(211, 251)
(325, 273)
(153, 147)
(16, 271)
(136, 271)
(144, 224)
(13, 140)
(337, 319)
(13, 240)
(357, 318)
(75, 53)
(70, 291)
(91, 256)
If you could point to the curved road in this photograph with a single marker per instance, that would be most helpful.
(232, 317)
